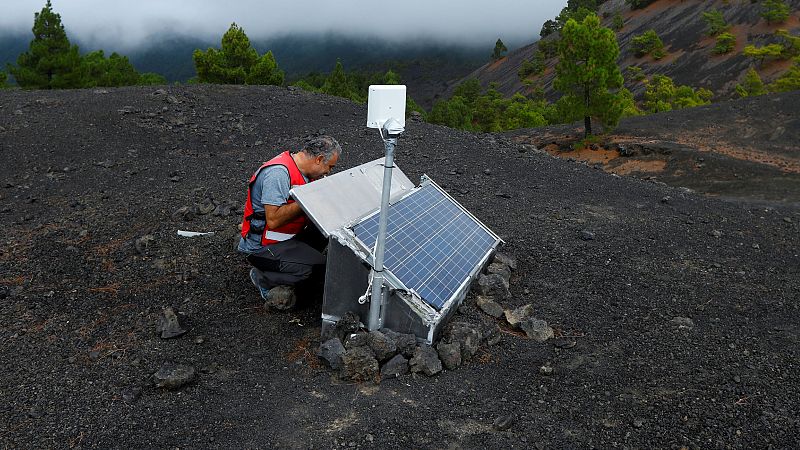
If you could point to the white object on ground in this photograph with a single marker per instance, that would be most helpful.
(185, 233)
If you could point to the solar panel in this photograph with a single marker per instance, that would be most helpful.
(432, 244)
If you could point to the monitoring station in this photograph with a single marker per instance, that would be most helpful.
(401, 256)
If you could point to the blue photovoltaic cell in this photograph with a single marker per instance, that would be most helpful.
(432, 245)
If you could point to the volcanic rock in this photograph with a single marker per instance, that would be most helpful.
(516, 316)
(493, 285)
(174, 376)
(143, 242)
(467, 336)
(185, 213)
(395, 367)
(348, 324)
(331, 352)
(489, 306)
(359, 364)
(536, 329)
(499, 269)
(404, 343)
(357, 340)
(281, 298)
(170, 325)
(383, 347)
(449, 354)
(425, 360)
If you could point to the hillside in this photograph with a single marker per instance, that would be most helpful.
(680, 25)
(677, 313)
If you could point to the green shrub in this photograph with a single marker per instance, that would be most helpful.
(617, 22)
(661, 94)
(548, 47)
(791, 44)
(3, 80)
(715, 23)
(533, 66)
(771, 51)
(789, 81)
(648, 43)
(775, 11)
(752, 85)
(725, 43)
(634, 73)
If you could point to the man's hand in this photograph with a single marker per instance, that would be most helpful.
(278, 216)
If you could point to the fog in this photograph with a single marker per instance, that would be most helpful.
(129, 24)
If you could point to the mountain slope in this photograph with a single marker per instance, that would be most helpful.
(680, 25)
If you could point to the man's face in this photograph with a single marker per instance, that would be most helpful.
(321, 167)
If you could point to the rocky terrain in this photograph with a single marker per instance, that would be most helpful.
(675, 314)
(689, 57)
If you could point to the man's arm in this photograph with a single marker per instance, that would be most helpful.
(281, 215)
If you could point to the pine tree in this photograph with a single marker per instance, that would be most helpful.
(587, 73)
(752, 85)
(51, 62)
(237, 62)
(789, 81)
(499, 50)
(775, 11)
(3, 79)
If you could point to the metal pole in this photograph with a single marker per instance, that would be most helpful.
(378, 298)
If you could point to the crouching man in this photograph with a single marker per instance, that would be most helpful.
(281, 244)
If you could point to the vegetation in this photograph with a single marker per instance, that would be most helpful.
(648, 43)
(635, 73)
(715, 22)
(237, 62)
(352, 85)
(3, 80)
(789, 81)
(533, 66)
(587, 74)
(499, 50)
(471, 109)
(791, 44)
(771, 51)
(617, 22)
(725, 43)
(548, 47)
(661, 94)
(775, 11)
(752, 85)
(575, 9)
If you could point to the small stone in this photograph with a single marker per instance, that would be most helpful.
(506, 260)
(587, 235)
(331, 352)
(94, 355)
(199, 340)
(169, 325)
(638, 422)
(348, 324)
(143, 242)
(185, 213)
(356, 340)
(546, 370)
(359, 364)
(565, 343)
(449, 354)
(426, 360)
(683, 323)
(210, 368)
(468, 337)
(537, 329)
(504, 422)
(516, 316)
(395, 367)
(487, 171)
(737, 379)
(131, 394)
(281, 298)
(716, 234)
(666, 199)
(500, 269)
(489, 306)
(174, 376)
(787, 219)
(493, 285)
(175, 179)
(404, 342)
(383, 347)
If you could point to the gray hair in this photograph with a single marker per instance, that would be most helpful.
(322, 145)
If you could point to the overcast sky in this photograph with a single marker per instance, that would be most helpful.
(124, 23)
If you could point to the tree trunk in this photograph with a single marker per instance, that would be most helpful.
(587, 126)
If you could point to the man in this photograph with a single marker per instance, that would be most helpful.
(280, 243)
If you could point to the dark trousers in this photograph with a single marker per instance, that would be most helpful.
(291, 262)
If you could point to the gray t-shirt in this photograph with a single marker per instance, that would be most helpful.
(270, 188)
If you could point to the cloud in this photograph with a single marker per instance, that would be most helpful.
(127, 24)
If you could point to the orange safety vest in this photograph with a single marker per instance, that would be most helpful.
(283, 232)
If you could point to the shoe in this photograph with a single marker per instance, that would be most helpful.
(254, 278)
(281, 298)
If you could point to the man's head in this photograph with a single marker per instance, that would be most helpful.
(318, 156)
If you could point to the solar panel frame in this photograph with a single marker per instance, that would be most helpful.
(430, 288)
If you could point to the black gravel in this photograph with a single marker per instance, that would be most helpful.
(85, 174)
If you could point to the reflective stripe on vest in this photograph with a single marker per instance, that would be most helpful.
(276, 236)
